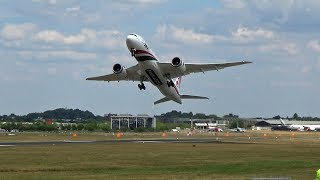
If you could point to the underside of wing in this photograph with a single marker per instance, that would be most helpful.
(169, 69)
(130, 74)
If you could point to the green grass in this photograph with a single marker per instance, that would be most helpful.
(265, 158)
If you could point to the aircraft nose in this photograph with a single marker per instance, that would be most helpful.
(130, 41)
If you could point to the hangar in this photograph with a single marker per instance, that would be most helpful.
(128, 121)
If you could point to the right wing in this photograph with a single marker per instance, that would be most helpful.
(133, 74)
(173, 72)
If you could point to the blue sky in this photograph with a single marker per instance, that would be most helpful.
(49, 47)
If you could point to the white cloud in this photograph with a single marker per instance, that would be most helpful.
(244, 34)
(233, 4)
(64, 54)
(51, 2)
(240, 35)
(291, 84)
(314, 45)
(190, 36)
(148, 2)
(54, 36)
(290, 48)
(182, 35)
(13, 32)
(92, 18)
(306, 69)
(279, 46)
(104, 38)
(52, 70)
(73, 9)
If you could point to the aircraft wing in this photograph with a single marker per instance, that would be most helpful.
(173, 72)
(133, 74)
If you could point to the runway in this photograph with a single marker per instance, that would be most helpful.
(169, 140)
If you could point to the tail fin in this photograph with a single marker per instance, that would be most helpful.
(177, 82)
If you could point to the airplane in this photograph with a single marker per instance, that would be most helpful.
(292, 126)
(299, 127)
(160, 74)
(215, 129)
(238, 129)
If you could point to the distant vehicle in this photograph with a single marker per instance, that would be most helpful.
(238, 130)
(215, 129)
(160, 74)
(175, 130)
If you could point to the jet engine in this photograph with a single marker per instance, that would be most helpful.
(178, 63)
(119, 70)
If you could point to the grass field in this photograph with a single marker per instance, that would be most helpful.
(276, 154)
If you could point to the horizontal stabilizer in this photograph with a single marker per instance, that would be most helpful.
(192, 97)
(165, 99)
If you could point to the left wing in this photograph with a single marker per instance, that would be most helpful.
(132, 75)
(173, 72)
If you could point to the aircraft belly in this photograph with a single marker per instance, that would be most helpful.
(153, 73)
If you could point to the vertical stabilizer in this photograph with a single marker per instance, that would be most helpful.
(177, 82)
(282, 122)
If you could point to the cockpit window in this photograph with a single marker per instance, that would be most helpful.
(133, 34)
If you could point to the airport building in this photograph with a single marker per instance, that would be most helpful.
(206, 123)
(198, 123)
(128, 121)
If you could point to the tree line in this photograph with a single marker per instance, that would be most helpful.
(42, 126)
(90, 126)
(295, 116)
(60, 114)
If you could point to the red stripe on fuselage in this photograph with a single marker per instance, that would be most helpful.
(175, 87)
(143, 52)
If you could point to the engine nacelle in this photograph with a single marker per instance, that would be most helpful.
(178, 63)
(119, 70)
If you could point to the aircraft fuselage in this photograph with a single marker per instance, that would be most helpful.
(149, 68)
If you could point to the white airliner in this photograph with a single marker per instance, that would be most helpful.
(300, 127)
(160, 74)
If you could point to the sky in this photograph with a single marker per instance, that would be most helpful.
(49, 47)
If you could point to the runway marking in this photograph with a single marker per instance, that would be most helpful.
(149, 141)
(6, 145)
(69, 141)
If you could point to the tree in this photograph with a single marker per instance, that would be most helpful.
(199, 116)
(295, 116)
(91, 126)
(277, 117)
(161, 126)
(236, 124)
(104, 127)
(80, 127)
